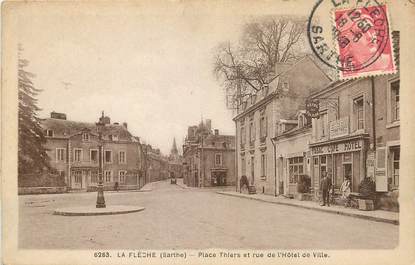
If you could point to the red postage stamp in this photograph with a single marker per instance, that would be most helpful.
(363, 42)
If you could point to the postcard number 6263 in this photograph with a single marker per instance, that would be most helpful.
(101, 254)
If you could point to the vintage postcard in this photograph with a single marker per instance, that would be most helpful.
(208, 132)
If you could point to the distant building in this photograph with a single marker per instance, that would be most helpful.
(73, 148)
(157, 165)
(209, 158)
(175, 162)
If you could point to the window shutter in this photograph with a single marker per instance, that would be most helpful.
(380, 171)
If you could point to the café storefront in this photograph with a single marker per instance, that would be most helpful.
(340, 157)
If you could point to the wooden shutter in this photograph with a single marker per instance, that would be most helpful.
(381, 177)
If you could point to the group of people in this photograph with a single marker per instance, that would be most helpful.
(326, 187)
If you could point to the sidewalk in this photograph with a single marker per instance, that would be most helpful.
(378, 215)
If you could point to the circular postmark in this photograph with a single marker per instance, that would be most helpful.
(348, 37)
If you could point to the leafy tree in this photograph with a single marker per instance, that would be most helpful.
(31, 152)
(247, 66)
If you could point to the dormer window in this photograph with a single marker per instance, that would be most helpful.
(113, 137)
(285, 86)
(85, 137)
(49, 133)
(302, 121)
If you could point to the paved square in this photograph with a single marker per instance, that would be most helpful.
(177, 218)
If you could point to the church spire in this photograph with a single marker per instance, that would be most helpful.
(174, 150)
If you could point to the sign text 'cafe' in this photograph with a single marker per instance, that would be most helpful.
(349, 146)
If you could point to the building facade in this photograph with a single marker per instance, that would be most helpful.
(292, 153)
(156, 165)
(343, 133)
(259, 118)
(208, 157)
(357, 134)
(73, 148)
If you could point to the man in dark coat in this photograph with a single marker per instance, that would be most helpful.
(325, 186)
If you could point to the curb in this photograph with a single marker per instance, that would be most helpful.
(82, 211)
(372, 218)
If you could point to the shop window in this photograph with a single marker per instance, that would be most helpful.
(347, 158)
(323, 164)
(295, 168)
(78, 177)
(358, 112)
(395, 158)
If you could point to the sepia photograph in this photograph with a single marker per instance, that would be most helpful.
(225, 132)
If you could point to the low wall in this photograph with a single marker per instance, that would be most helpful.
(41, 190)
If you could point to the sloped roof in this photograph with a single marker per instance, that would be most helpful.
(66, 128)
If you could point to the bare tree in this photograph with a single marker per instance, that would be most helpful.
(247, 66)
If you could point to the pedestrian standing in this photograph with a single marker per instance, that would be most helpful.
(116, 186)
(346, 190)
(325, 186)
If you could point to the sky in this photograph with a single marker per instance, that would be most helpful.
(149, 67)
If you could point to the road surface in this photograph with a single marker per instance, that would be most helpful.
(177, 218)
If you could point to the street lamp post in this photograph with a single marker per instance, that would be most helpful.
(100, 187)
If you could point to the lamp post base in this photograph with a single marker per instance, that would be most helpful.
(100, 197)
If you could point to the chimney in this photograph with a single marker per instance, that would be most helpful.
(57, 115)
(209, 124)
(216, 132)
(104, 119)
(125, 125)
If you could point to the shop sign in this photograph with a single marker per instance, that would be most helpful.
(312, 108)
(348, 146)
(339, 128)
(370, 164)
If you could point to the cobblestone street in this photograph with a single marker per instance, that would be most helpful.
(177, 218)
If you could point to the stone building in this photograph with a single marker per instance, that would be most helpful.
(157, 166)
(292, 152)
(260, 115)
(357, 134)
(73, 148)
(209, 157)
